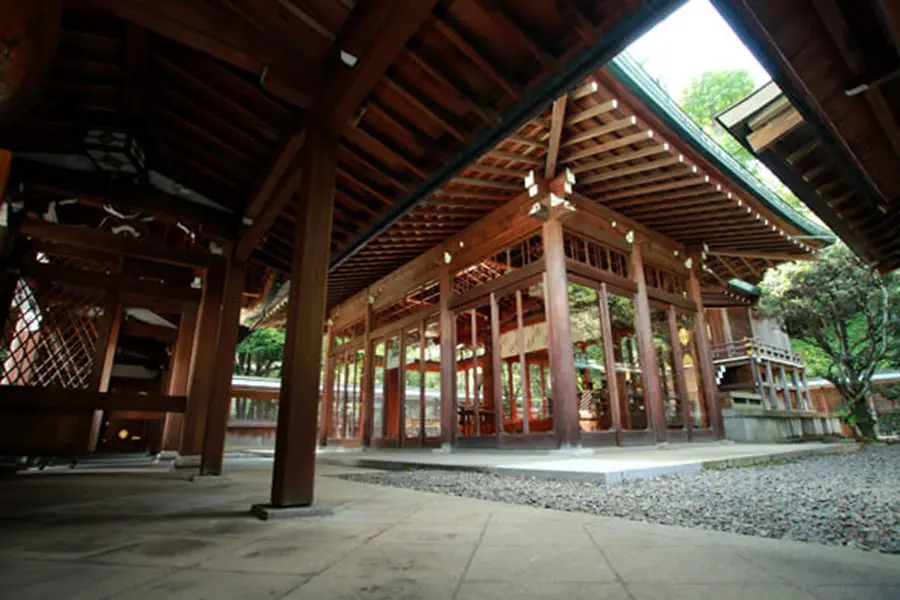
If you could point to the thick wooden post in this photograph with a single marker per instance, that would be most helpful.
(562, 358)
(523, 367)
(401, 391)
(496, 367)
(327, 425)
(678, 367)
(770, 384)
(653, 398)
(219, 406)
(476, 398)
(448, 362)
(422, 434)
(704, 358)
(368, 378)
(609, 358)
(293, 478)
(108, 338)
(9, 275)
(179, 370)
(805, 381)
(203, 363)
(726, 325)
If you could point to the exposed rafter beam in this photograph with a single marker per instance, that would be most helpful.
(557, 121)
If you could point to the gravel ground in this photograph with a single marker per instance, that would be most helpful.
(848, 500)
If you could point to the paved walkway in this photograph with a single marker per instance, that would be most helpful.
(150, 535)
(608, 465)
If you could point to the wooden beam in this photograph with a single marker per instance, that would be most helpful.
(82, 237)
(108, 329)
(28, 398)
(130, 286)
(605, 129)
(98, 190)
(295, 444)
(179, 371)
(608, 146)
(218, 34)
(374, 33)
(620, 158)
(592, 112)
(641, 168)
(762, 255)
(557, 121)
(139, 329)
(775, 130)
(660, 187)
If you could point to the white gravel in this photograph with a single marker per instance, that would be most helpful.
(848, 500)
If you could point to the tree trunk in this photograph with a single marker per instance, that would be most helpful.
(863, 423)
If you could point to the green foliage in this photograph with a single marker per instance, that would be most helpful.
(846, 312)
(710, 94)
(260, 353)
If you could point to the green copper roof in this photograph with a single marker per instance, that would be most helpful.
(658, 101)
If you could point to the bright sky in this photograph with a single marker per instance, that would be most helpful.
(693, 40)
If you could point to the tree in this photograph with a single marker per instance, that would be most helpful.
(259, 354)
(710, 94)
(847, 311)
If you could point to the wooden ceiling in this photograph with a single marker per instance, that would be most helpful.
(839, 65)
(218, 92)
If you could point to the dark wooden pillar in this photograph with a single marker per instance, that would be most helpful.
(562, 358)
(10, 247)
(653, 398)
(523, 366)
(203, 362)
(179, 371)
(704, 358)
(609, 358)
(496, 367)
(401, 390)
(368, 378)
(108, 338)
(293, 478)
(448, 361)
(327, 424)
(219, 406)
(678, 367)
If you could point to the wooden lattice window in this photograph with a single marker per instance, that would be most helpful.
(596, 255)
(51, 335)
(420, 297)
(665, 281)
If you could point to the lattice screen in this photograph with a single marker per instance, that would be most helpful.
(51, 335)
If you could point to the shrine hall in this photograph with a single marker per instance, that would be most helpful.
(479, 223)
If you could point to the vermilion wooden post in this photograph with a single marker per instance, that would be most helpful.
(219, 406)
(448, 362)
(476, 398)
(523, 367)
(422, 434)
(678, 367)
(203, 363)
(368, 378)
(108, 338)
(562, 358)
(179, 370)
(293, 478)
(704, 358)
(401, 391)
(649, 364)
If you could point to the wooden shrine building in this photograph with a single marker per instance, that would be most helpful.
(493, 239)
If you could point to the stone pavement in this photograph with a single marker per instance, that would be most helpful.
(150, 534)
(603, 465)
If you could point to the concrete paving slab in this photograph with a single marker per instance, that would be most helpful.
(388, 543)
(604, 465)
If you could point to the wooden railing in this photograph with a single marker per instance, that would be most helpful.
(752, 347)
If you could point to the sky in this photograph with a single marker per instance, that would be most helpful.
(693, 40)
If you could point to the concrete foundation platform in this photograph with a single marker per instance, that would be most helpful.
(265, 512)
(605, 465)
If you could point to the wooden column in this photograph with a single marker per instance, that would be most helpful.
(9, 246)
(219, 406)
(805, 381)
(523, 367)
(497, 367)
(562, 358)
(422, 434)
(203, 361)
(704, 358)
(678, 367)
(770, 384)
(653, 396)
(449, 426)
(726, 325)
(757, 382)
(401, 391)
(368, 377)
(476, 398)
(295, 443)
(101, 371)
(785, 391)
(327, 424)
(179, 371)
